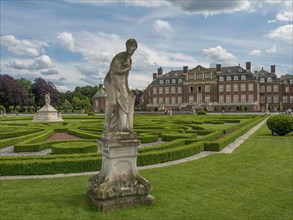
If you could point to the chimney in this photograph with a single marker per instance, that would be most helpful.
(155, 76)
(160, 72)
(248, 67)
(218, 68)
(273, 69)
(185, 69)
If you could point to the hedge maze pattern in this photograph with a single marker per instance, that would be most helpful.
(182, 136)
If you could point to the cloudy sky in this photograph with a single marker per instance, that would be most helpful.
(72, 42)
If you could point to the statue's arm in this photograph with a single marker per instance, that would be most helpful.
(117, 68)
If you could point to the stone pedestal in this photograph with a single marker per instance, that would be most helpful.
(118, 184)
(47, 114)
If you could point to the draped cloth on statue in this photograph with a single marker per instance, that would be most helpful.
(115, 124)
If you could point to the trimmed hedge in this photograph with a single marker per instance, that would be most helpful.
(19, 133)
(82, 134)
(174, 136)
(166, 155)
(224, 141)
(54, 166)
(24, 138)
(45, 145)
(168, 145)
(148, 138)
(74, 148)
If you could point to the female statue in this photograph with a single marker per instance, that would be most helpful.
(119, 111)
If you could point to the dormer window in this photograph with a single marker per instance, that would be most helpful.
(243, 77)
(167, 81)
(228, 78)
(262, 80)
(269, 80)
(173, 81)
(179, 80)
(221, 78)
(291, 81)
(235, 77)
(161, 82)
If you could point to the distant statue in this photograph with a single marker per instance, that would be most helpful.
(47, 98)
(119, 111)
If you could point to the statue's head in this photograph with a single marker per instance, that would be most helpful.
(131, 45)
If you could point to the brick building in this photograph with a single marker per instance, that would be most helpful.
(230, 88)
(99, 100)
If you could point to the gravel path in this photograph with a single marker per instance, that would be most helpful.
(228, 149)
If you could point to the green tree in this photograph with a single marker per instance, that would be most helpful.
(11, 108)
(32, 109)
(17, 108)
(28, 85)
(77, 103)
(67, 106)
(86, 104)
(25, 108)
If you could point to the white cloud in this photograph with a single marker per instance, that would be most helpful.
(219, 55)
(23, 47)
(285, 15)
(66, 40)
(146, 3)
(21, 64)
(50, 72)
(161, 25)
(255, 53)
(211, 7)
(273, 49)
(282, 33)
(40, 63)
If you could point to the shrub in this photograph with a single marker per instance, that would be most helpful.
(91, 114)
(280, 124)
(148, 138)
(74, 148)
(202, 112)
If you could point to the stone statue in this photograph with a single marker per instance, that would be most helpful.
(119, 184)
(47, 98)
(119, 111)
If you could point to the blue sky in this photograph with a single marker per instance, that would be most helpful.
(72, 42)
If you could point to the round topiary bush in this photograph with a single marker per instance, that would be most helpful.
(280, 124)
(201, 112)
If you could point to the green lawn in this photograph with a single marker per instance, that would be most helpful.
(254, 182)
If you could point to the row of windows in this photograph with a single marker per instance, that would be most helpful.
(229, 78)
(207, 88)
(263, 79)
(167, 90)
(223, 99)
(269, 88)
(199, 76)
(243, 87)
(167, 81)
(275, 99)
(167, 100)
(235, 99)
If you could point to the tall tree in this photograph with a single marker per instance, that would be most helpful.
(12, 92)
(28, 85)
(41, 87)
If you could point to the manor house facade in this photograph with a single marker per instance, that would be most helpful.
(231, 88)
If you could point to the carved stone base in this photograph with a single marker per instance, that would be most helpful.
(119, 203)
(118, 184)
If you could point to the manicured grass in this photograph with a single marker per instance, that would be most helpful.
(254, 182)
